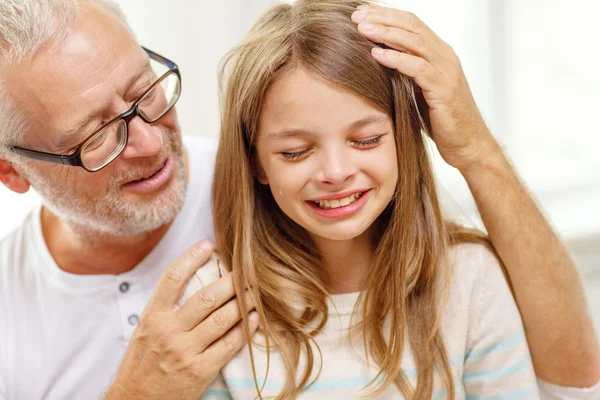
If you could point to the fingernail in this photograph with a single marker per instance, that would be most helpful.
(360, 15)
(365, 7)
(253, 316)
(378, 52)
(366, 27)
(206, 246)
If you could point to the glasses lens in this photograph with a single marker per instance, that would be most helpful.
(161, 98)
(104, 146)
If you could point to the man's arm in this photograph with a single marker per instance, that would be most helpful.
(546, 284)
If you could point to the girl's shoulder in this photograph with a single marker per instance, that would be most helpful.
(472, 264)
(206, 274)
(476, 279)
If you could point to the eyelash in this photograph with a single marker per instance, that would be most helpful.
(368, 142)
(360, 143)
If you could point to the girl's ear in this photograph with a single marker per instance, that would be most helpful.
(260, 174)
(258, 169)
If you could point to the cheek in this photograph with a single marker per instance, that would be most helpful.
(286, 180)
(383, 166)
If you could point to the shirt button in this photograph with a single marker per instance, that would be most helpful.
(124, 287)
(133, 319)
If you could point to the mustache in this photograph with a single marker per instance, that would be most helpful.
(144, 167)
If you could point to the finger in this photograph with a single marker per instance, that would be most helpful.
(177, 275)
(424, 74)
(219, 322)
(391, 17)
(404, 41)
(221, 351)
(423, 108)
(205, 301)
(406, 21)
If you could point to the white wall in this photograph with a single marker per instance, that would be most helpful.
(531, 65)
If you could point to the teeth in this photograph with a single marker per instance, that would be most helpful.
(346, 201)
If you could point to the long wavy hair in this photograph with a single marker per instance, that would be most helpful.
(276, 258)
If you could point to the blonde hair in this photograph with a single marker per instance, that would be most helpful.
(276, 258)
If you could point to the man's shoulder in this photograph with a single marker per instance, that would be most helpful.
(18, 251)
(15, 245)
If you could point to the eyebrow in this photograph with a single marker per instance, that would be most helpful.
(353, 126)
(144, 68)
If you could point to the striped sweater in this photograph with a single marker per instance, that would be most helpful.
(482, 329)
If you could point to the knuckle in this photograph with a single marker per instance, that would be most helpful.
(198, 371)
(419, 41)
(378, 15)
(422, 65)
(165, 338)
(453, 56)
(203, 369)
(197, 254)
(179, 357)
(207, 299)
(396, 58)
(149, 321)
(386, 33)
(174, 276)
(231, 343)
(414, 22)
(219, 320)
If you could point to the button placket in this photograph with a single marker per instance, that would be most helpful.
(131, 303)
(124, 287)
(133, 319)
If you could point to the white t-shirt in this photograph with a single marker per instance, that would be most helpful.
(62, 336)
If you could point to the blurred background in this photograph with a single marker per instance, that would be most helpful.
(531, 65)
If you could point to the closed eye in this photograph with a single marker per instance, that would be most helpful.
(294, 155)
(368, 142)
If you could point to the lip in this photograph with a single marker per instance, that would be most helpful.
(339, 195)
(343, 211)
(157, 181)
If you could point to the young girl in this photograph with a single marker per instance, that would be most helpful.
(325, 208)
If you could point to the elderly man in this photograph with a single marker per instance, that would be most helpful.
(87, 119)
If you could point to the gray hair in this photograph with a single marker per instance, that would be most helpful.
(25, 26)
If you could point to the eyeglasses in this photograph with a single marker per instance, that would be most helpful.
(107, 142)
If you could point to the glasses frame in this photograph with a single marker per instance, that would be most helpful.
(74, 159)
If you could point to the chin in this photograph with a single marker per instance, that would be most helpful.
(343, 234)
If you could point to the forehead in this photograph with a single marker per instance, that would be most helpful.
(302, 99)
(65, 80)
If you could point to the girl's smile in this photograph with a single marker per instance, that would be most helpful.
(340, 207)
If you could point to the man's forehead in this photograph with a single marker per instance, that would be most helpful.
(62, 81)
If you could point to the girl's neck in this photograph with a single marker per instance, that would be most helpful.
(346, 262)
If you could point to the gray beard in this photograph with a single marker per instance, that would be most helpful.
(109, 216)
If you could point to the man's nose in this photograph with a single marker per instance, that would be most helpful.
(145, 140)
